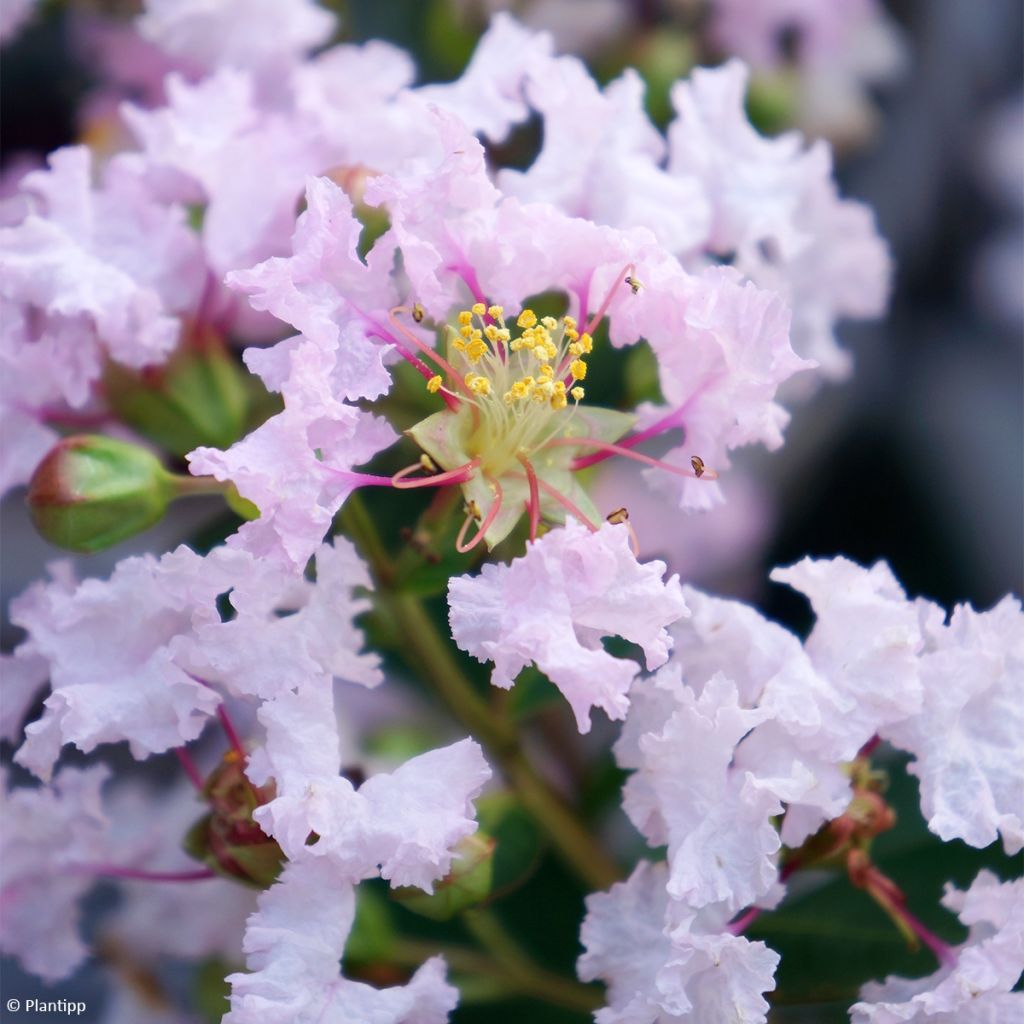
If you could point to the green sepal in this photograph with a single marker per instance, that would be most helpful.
(198, 398)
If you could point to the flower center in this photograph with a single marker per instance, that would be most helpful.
(519, 386)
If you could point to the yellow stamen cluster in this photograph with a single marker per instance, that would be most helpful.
(517, 384)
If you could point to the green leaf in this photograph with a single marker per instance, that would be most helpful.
(210, 990)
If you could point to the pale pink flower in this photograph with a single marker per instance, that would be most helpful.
(49, 832)
(148, 685)
(966, 740)
(866, 643)
(216, 143)
(265, 36)
(715, 820)
(402, 823)
(975, 987)
(602, 158)
(293, 944)
(489, 95)
(777, 214)
(88, 273)
(553, 606)
(663, 962)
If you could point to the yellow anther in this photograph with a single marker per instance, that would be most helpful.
(558, 400)
(546, 371)
(427, 463)
(479, 308)
(503, 334)
(587, 342)
(418, 312)
(491, 333)
(434, 384)
(496, 312)
(635, 284)
(465, 318)
(577, 393)
(466, 330)
(578, 369)
(478, 385)
(549, 322)
(572, 334)
(527, 318)
(570, 322)
(476, 350)
(575, 349)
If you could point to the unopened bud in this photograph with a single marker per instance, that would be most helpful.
(468, 883)
(227, 839)
(91, 492)
(197, 398)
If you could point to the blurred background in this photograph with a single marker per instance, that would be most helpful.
(917, 458)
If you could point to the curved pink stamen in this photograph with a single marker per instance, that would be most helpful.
(568, 505)
(617, 449)
(603, 308)
(668, 422)
(533, 505)
(454, 376)
(360, 479)
(492, 514)
(459, 475)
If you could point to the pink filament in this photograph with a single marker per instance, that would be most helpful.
(492, 513)
(360, 479)
(116, 871)
(459, 475)
(454, 376)
(617, 449)
(944, 953)
(230, 731)
(603, 308)
(190, 768)
(667, 422)
(533, 505)
(567, 504)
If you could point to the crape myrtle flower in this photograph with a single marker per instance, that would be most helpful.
(777, 215)
(158, 684)
(717, 189)
(513, 430)
(745, 725)
(89, 272)
(838, 53)
(553, 606)
(293, 944)
(745, 722)
(264, 36)
(663, 962)
(976, 983)
(49, 832)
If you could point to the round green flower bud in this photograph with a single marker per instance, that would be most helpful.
(91, 492)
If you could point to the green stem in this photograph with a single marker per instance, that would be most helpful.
(428, 652)
(527, 979)
(191, 486)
